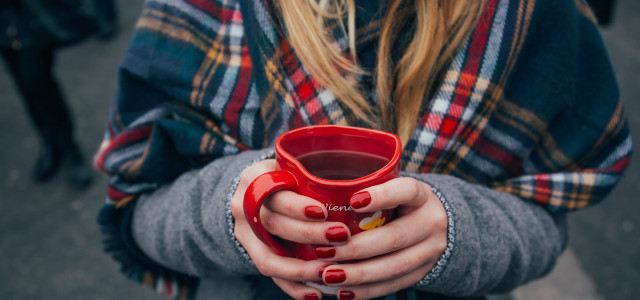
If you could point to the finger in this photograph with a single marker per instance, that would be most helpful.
(429, 221)
(383, 288)
(296, 206)
(297, 290)
(304, 232)
(253, 171)
(246, 177)
(421, 256)
(368, 244)
(404, 191)
(271, 264)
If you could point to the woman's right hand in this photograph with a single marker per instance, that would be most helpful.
(292, 217)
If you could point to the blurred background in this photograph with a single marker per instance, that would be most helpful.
(50, 246)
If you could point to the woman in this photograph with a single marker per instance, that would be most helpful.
(508, 111)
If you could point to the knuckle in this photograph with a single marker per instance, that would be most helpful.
(349, 252)
(264, 267)
(290, 206)
(237, 210)
(356, 276)
(299, 273)
(442, 221)
(246, 177)
(244, 180)
(281, 201)
(383, 192)
(402, 266)
(439, 221)
(414, 188)
(397, 240)
(307, 234)
(250, 173)
(268, 223)
(441, 244)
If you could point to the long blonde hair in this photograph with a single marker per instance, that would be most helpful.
(441, 27)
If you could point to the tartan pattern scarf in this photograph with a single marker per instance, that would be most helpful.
(204, 79)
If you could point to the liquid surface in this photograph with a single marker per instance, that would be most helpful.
(341, 165)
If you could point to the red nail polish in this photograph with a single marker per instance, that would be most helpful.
(346, 295)
(321, 270)
(312, 296)
(314, 212)
(334, 276)
(360, 199)
(337, 234)
(325, 252)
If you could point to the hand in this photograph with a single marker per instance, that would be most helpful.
(283, 215)
(398, 254)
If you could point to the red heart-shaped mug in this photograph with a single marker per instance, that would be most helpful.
(328, 163)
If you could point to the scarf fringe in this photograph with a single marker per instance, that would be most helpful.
(115, 224)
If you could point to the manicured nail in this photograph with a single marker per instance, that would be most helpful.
(312, 296)
(325, 252)
(360, 199)
(334, 276)
(322, 270)
(337, 234)
(346, 295)
(314, 212)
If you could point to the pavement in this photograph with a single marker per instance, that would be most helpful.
(50, 246)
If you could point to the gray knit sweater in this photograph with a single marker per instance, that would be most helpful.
(496, 241)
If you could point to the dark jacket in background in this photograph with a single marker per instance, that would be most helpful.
(44, 23)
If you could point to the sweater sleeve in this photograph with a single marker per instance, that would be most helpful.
(496, 241)
(187, 225)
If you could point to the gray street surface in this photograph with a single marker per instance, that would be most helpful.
(50, 246)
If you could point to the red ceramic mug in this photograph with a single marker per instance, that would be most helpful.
(327, 163)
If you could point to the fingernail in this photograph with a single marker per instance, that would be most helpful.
(314, 212)
(322, 269)
(312, 296)
(334, 276)
(325, 252)
(337, 234)
(360, 199)
(346, 295)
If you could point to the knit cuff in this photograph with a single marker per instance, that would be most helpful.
(444, 258)
(229, 216)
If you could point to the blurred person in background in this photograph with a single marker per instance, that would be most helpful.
(31, 31)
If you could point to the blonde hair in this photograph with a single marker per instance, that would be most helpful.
(441, 27)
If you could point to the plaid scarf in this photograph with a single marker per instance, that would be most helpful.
(528, 106)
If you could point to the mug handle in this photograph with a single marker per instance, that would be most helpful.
(258, 191)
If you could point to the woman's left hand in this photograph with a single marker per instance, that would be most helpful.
(396, 255)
